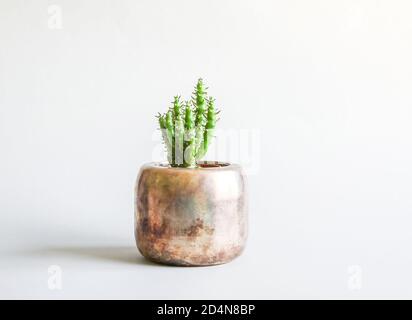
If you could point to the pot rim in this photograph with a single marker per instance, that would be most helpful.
(203, 165)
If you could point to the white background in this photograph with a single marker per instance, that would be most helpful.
(326, 83)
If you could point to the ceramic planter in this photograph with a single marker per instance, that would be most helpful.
(191, 217)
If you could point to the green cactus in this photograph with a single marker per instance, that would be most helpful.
(187, 129)
(179, 131)
(209, 128)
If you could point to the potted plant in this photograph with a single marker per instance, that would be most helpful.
(190, 212)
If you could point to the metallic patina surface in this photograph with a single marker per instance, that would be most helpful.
(191, 217)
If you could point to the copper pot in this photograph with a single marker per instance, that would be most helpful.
(191, 217)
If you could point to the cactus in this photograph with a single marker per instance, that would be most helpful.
(187, 128)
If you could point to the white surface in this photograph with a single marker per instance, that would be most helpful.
(326, 83)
